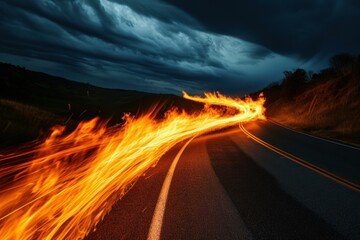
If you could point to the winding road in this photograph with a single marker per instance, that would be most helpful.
(259, 180)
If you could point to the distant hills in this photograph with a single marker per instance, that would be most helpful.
(326, 104)
(32, 102)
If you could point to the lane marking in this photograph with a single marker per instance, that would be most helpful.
(157, 220)
(352, 185)
(316, 137)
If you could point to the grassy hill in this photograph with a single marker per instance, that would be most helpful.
(32, 102)
(326, 104)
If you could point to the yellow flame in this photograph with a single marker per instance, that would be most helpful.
(72, 180)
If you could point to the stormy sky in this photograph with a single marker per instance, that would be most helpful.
(165, 46)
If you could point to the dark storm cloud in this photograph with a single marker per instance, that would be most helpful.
(122, 44)
(139, 40)
(301, 28)
(143, 44)
(159, 10)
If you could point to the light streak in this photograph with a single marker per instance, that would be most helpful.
(70, 182)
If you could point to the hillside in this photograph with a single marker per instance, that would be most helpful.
(32, 102)
(326, 104)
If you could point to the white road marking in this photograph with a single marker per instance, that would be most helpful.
(157, 220)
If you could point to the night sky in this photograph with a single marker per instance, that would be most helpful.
(234, 46)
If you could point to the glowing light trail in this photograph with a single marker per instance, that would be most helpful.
(71, 181)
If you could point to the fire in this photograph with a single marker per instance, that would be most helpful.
(72, 180)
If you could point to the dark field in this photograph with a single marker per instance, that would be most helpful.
(32, 102)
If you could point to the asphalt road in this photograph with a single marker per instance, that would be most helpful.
(237, 185)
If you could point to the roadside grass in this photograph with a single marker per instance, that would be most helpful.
(20, 123)
(330, 109)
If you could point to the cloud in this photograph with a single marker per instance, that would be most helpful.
(293, 28)
(129, 44)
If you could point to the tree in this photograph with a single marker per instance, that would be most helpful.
(342, 63)
(293, 83)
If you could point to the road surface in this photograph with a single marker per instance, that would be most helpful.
(256, 181)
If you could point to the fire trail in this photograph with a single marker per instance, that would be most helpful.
(72, 180)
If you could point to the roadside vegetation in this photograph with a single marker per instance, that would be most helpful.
(326, 104)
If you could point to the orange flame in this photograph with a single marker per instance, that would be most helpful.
(72, 180)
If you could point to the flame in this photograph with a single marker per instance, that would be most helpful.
(72, 180)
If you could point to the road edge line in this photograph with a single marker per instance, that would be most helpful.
(342, 181)
(349, 145)
(157, 220)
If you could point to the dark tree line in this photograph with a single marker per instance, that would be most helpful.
(296, 81)
(343, 63)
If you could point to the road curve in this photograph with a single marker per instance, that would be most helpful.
(228, 186)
